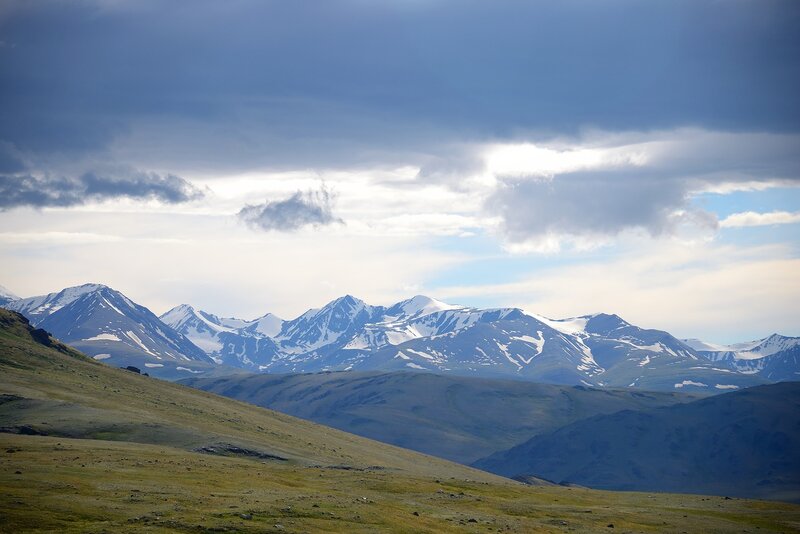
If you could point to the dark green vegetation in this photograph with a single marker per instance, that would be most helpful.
(745, 443)
(131, 463)
(458, 418)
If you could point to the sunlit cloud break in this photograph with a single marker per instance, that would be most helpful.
(752, 218)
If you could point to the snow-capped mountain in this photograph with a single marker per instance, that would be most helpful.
(595, 350)
(227, 340)
(775, 357)
(268, 325)
(200, 327)
(328, 328)
(420, 333)
(425, 334)
(106, 325)
(6, 296)
(37, 308)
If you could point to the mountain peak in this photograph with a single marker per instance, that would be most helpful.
(419, 305)
(42, 305)
(85, 288)
(349, 300)
(177, 314)
(346, 304)
(269, 324)
(604, 323)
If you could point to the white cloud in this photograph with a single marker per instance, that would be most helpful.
(752, 218)
(604, 184)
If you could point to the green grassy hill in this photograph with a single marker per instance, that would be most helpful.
(88, 448)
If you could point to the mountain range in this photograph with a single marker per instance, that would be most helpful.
(421, 333)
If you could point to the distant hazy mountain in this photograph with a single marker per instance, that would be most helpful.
(742, 444)
(453, 417)
(775, 357)
(6, 296)
(106, 325)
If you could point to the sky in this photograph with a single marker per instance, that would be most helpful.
(571, 157)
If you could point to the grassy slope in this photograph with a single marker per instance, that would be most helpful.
(147, 478)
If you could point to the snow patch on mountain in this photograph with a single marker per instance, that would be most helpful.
(690, 383)
(418, 306)
(571, 326)
(103, 337)
(268, 325)
(698, 344)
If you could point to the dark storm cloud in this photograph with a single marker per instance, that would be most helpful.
(347, 81)
(27, 190)
(299, 210)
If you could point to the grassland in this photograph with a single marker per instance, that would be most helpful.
(89, 448)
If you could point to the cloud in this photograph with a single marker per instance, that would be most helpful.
(301, 209)
(10, 161)
(426, 80)
(39, 192)
(606, 183)
(752, 218)
(585, 203)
